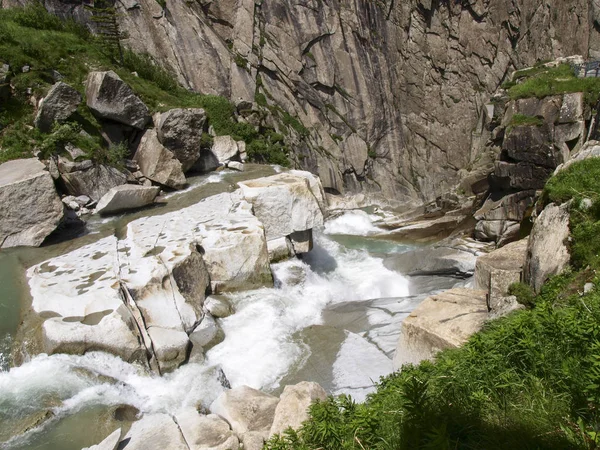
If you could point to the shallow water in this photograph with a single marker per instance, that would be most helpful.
(333, 317)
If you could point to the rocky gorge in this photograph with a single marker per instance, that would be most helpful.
(427, 179)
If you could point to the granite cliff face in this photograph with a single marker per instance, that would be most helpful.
(389, 94)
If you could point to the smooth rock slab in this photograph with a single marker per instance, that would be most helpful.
(31, 208)
(246, 409)
(441, 321)
(125, 197)
(155, 432)
(78, 295)
(110, 443)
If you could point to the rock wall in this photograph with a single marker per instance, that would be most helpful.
(389, 93)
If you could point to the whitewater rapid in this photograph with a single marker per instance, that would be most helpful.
(261, 348)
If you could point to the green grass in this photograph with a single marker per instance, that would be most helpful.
(30, 36)
(530, 380)
(523, 120)
(542, 82)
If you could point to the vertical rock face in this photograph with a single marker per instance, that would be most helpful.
(388, 94)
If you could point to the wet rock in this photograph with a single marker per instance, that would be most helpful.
(180, 131)
(157, 163)
(294, 404)
(548, 251)
(246, 409)
(235, 165)
(440, 261)
(170, 347)
(280, 249)
(31, 208)
(110, 443)
(111, 98)
(218, 306)
(155, 432)
(207, 334)
(428, 230)
(62, 101)
(125, 197)
(206, 432)
(441, 321)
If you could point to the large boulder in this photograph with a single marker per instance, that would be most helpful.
(294, 404)
(287, 206)
(91, 180)
(548, 251)
(441, 321)
(155, 432)
(246, 409)
(206, 432)
(496, 271)
(62, 101)
(111, 98)
(225, 148)
(157, 163)
(79, 297)
(180, 130)
(125, 197)
(31, 208)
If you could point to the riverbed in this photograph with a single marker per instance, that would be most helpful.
(333, 317)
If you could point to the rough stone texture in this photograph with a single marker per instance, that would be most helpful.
(496, 271)
(284, 203)
(127, 196)
(408, 79)
(218, 306)
(31, 208)
(91, 180)
(110, 443)
(111, 98)
(206, 432)
(62, 101)
(441, 321)
(158, 163)
(253, 440)
(293, 405)
(170, 347)
(548, 252)
(246, 409)
(180, 131)
(591, 149)
(155, 432)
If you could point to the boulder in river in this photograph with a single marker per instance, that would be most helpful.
(111, 98)
(31, 208)
(159, 164)
(125, 197)
(110, 443)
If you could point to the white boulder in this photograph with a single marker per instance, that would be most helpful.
(294, 404)
(125, 197)
(206, 432)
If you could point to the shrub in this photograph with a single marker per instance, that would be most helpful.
(524, 293)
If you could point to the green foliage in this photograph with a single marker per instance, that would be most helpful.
(270, 149)
(293, 122)
(542, 82)
(581, 179)
(524, 293)
(523, 120)
(145, 66)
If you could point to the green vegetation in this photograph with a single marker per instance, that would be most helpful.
(530, 380)
(522, 120)
(544, 81)
(32, 37)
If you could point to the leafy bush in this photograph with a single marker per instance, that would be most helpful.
(524, 293)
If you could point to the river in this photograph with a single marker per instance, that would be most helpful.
(333, 317)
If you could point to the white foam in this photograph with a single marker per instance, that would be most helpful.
(199, 182)
(355, 222)
(259, 347)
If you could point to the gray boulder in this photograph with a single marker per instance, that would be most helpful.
(110, 443)
(180, 130)
(125, 197)
(158, 163)
(246, 409)
(441, 261)
(206, 432)
(155, 432)
(62, 101)
(92, 180)
(547, 252)
(111, 98)
(31, 208)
